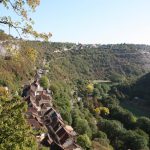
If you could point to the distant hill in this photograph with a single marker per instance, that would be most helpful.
(114, 62)
(69, 61)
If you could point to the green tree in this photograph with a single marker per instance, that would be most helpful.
(96, 92)
(101, 135)
(143, 134)
(61, 95)
(124, 116)
(111, 127)
(135, 141)
(82, 127)
(44, 82)
(144, 124)
(15, 133)
(116, 77)
(84, 141)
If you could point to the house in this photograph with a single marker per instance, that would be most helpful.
(31, 111)
(43, 98)
(50, 115)
(36, 96)
(55, 146)
(37, 77)
(47, 140)
(74, 146)
(43, 101)
(36, 88)
(35, 124)
(41, 114)
(26, 90)
(62, 134)
(33, 118)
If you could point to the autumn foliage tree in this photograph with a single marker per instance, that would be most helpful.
(3, 91)
(90, 88)
(102, 110)
(24, 23)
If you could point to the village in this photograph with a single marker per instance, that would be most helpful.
(42, 116)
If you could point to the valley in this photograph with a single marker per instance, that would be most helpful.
(97, 89)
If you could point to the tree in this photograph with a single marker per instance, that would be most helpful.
(61, 97)
(29, 53)
(135, 141)
(44, 82)
(115, 77)
(96, 92)
(111, 127)
(102, 110)
(82, 127)
(144, 124)
(123, 139)
(124, 116)
(101, 135)
(105, 88)
(142, 133)
(3, 92)
(15, 133)
(84, 141)
(24, 23)
(90, 88)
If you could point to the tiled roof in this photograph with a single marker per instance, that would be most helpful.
(34, 123)
(32, 110)
(41, 101)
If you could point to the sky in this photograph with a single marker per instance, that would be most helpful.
(92, 21)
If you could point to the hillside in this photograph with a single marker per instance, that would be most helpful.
(85, 82)
(137, 96)
(142, 87)
(115, 62)
(71, 61)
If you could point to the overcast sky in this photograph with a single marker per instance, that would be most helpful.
(93, 21)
